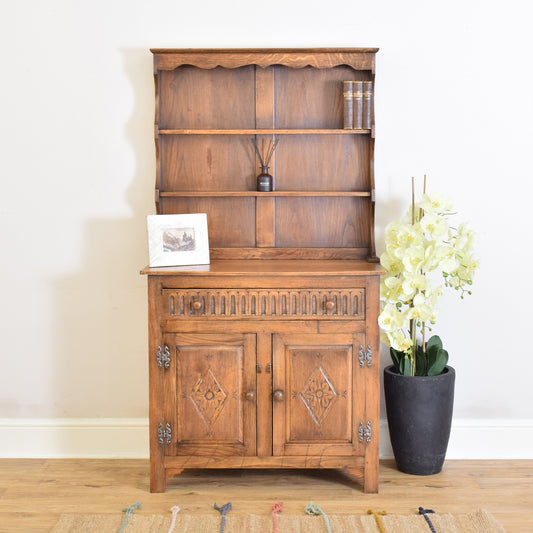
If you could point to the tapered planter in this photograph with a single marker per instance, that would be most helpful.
(419, 415)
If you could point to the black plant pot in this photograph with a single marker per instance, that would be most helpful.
(419, 415)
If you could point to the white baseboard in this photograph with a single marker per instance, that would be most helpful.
(74, 437)
(480, 439)
(128, 438)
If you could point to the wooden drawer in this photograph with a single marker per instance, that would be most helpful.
(275, 304)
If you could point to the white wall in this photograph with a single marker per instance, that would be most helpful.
(453, 100)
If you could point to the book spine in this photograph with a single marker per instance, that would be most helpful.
(348, 104)
(367, 104)
(358, 104)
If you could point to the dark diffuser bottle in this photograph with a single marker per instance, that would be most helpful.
(264, 181)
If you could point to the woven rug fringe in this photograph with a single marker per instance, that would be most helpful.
(476, 522)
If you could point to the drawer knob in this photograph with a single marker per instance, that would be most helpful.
(278, 395)
(330, 305)
(250, 395)
(197, 305)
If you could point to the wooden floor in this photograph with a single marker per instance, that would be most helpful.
(34, 492)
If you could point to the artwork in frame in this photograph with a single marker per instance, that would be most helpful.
(175, 240)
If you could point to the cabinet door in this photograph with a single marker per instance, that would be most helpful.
(210, 394)
(318, 395)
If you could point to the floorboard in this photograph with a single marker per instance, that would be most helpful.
(34, 492)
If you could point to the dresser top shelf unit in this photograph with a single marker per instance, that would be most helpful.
(211, 104)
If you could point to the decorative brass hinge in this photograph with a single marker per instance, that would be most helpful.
(365, 432)
(163, 357)
(163, 434)
(365, 357)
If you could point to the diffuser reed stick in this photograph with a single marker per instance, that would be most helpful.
(265, 162)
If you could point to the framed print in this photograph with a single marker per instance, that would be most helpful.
(175, 240)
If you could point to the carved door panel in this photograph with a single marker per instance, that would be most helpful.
(210, 394)
(318, 394)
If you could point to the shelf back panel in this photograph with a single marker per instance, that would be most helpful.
(322, 222)
(322, 163)
(207, 163)
(230, 221)
(220, 98)
(311, 98)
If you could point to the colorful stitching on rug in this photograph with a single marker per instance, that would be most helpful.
(377, 517)
(276, 508)
(479, 521)
(424, 513)
(129, 511)
(224, 510)
(316, 510)
(175, 510)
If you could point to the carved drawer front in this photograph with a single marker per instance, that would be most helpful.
(245, 303)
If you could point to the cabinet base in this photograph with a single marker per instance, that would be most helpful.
(354, 466)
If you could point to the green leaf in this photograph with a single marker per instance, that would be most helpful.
(433, 342)
(396, 357)
(421, 362)
(406, 366)
(439, 363)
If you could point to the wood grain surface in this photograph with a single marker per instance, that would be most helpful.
(34, 492)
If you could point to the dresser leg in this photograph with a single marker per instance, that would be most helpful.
(158, 479)
(371, 483)
(371, 479)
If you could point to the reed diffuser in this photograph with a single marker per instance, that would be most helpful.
(265, 182)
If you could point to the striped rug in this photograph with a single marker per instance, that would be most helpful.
(475, 522)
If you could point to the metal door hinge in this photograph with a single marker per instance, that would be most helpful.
(163, 434)
(163, 357)
(365, 357)
(365, 432)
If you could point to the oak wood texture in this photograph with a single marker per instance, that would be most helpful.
(357, 58)
(209, 103)
(265, 342)
(257, 379)
(266, 304)
(35, 492)
(288, 269)
(264, 131)
(307, 98)
(227, 98)
(209, 378)
(321, 405)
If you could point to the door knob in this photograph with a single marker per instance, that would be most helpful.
(278, 395)
(197, 305)
(250, 395)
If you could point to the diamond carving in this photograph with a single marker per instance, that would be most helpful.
(318, 395)
(208, 397)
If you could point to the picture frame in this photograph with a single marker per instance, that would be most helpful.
(176, 240)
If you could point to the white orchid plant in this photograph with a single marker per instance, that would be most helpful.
(418, 248)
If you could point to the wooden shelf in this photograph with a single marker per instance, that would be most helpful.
(265, 132)
(216, 194)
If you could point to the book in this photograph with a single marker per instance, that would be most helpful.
(348, 104)
(358, 104)
(367, 104)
